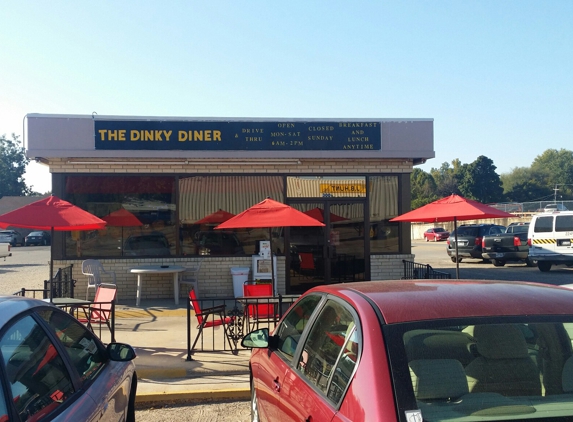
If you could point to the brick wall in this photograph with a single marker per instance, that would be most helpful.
(215, 279)
(388, 267)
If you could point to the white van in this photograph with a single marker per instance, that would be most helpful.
(550, 239)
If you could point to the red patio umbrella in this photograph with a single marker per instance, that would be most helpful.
(452, 208)
(269, 213)
(216, 218)
(122, 218)
(318, 213)
(53, 214)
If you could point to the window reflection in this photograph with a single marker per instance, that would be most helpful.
(383, 206)
(140, 212)
(206, 202)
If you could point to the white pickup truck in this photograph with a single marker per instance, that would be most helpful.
(5, 250)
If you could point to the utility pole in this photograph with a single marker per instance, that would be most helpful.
(555, 189)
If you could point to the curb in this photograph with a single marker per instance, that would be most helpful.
(177, 373)
(163, 373)
(147, 399)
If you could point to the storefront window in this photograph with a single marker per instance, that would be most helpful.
(140, 211)
(383, 195)
(207, 201)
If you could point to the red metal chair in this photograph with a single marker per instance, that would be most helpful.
(258, 311)
(217, 314)
(306, 261)
(99, 312)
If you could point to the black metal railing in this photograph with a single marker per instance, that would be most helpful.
(414, 271)
(62, 284)
(95, 315)
(33, 293)
(220, 324)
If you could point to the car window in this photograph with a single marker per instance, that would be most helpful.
(496, 230)
(564, 223)
(466, 372)
(520, 229)
(292, 326)
(543, 225)
(3, 409)
(35, 371)
(80, 344)
(468, 231)
(330, 352)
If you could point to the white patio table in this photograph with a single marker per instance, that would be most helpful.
(158, 269)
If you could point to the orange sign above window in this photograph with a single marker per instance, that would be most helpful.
(343, 188)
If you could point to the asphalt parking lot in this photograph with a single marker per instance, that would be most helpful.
(434, 254)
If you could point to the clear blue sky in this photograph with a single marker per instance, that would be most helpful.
(497, 76)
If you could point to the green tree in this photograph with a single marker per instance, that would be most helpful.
(423, 188)
(523, 184)
(13, 163)
(447, 178)
(556, 168)
(481, 182)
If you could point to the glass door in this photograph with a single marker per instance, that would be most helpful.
(330, 254)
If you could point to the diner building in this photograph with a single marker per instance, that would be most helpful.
(164, 183)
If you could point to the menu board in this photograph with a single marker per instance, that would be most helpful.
(229, 136)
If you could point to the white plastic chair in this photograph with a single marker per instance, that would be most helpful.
(93, 269)
(191, 277)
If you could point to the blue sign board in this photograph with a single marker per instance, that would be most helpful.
(234, 136)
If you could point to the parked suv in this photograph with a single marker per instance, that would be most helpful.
(550, 239)
(470, 240)
(12, 237)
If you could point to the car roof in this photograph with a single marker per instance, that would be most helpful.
(418, 300)
(479, 225)
(13, 305)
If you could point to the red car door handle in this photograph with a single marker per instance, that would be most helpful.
(277, 385)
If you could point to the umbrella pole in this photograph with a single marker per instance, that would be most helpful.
(51, 264)
(272, 260)
(456, 238)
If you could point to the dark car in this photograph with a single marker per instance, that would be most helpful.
(53, 368)
(510, 246)
(149, 244)
(425, 350)
(435, 234)
(217, 242)
(37, 238)
(470, 240)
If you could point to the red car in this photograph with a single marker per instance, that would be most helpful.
(406, 351)
(436, 233)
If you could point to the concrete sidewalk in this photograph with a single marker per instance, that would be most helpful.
(158, 332)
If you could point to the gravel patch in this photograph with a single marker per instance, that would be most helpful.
(27, 268)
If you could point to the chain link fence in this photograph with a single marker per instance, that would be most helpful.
(529, 207)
